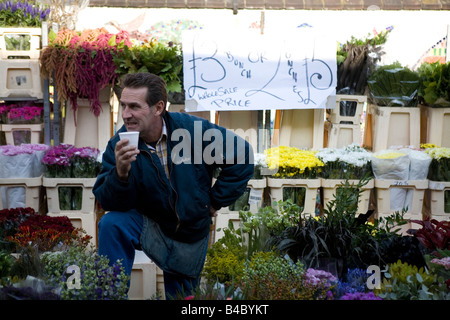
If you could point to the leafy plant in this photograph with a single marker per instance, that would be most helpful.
(434, 234)
(435, 84)
(405, 282)
(394, 85)
(99, 280)
(155, 57)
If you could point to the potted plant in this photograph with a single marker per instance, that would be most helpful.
(163, 59)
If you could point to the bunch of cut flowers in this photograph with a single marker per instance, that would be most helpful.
(68, 161)
(17, 13)
(22, 227)
(293, 163)
(81, 63)
(440, 163)
(25, 114)
(350, 162)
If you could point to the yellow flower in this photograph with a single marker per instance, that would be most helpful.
(438, 153)
(389, 155)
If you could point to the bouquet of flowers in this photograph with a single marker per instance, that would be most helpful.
(440, 163)
(25, 114)
(17, 13)
(81, 63)
(19, 162)
(351, 162)
(293, 163)
(67, 161)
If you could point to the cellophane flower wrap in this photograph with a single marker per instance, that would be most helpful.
(293, 163)
(350, 162)
(19, 162)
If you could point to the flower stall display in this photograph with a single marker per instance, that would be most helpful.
(81, 63)
(352, 163)
(394, 86)
(163, 59)
(396, 171)
(296, 176)
(66, 165)
(435, 84)
(23, 122)
(17, 13)
(439, 182)
(21, 162)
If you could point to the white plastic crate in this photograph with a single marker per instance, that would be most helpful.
(311, 188)
(329, 187)
(81, 220)
(436, 197)
(342, 135)
(335, 115)
(89, 130)
(34, 129)
(53, 184)
(143, 284)
(32, 188)
(20, 79)
(395, 126)
(222, 221)
(437, 126)
(302, 128)
(34, 35)
(412, 191)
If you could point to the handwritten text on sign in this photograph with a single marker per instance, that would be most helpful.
(257, 72)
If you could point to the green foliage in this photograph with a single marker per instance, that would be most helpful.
(394, 85)
(158, 58)
(6, 263)
(98, 279)
(269, 276)
(435, 84)
(405, 282)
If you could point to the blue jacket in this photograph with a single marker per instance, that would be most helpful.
(180, 205)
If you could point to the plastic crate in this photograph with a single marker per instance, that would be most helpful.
(34, 35)
(20, 79)
(84, 129)
(437, 124)
(53, 184)
(436, 199)
(243, 123)
(311, 188)
(302, 128)
(413, 191)
(341, 135)
(143, 285)
(395, 126)
(82, 220)
(32, 188)
(336, 116)
(34, 129)
(222, 221)
(329, 187)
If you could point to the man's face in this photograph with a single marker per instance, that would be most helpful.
(137, 115)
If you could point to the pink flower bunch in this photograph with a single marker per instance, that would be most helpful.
(11, 150)
(58, 155)
(445, 262)
(26, 113)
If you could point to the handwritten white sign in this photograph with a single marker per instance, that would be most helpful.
(257, 72)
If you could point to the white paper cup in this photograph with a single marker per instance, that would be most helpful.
(132, 136)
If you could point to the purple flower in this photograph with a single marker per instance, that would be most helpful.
(360, 296)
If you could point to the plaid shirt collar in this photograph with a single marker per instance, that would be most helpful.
(163, 136)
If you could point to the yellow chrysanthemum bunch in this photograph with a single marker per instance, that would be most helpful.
(293, 162)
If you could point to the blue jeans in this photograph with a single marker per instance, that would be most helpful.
(119, 236)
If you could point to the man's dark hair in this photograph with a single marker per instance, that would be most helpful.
(156, 86)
